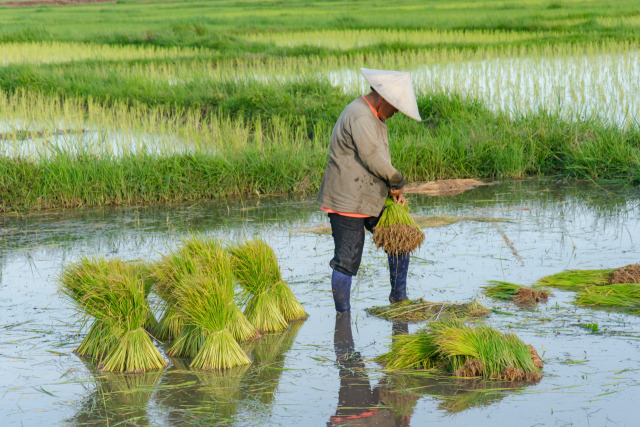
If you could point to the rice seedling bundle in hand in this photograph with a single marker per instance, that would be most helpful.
(521, 295)
(114, 293)
(268, 300)
(196, 255)
(206, 301)
(396, 232)
(465, 351)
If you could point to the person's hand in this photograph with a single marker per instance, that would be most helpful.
(397, 197)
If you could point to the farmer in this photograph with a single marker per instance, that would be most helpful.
(359, 176)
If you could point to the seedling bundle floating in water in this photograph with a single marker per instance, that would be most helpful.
(465, 351)
(605, 288)
(418, 310)
(521, 295)
(396, 232)
(268, 300)
(114, 294)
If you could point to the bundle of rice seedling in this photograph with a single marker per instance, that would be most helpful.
(205, 301)
(396, 232)
(196, 255)
(465, 351)
(114, 294)
(419, 310)
(575, 280)
(521, 295)
(268, 300)
(625, 296)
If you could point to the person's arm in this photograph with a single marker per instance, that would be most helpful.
(373, 153)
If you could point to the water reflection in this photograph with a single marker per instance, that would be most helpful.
(117, 398)
(393, 399)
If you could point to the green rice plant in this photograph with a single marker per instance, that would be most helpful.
(575, 280)
(84, 281)
(625, 296)
(114, 293)
(196, 255)
(205, 301)
(521, 295)
(397, 233)
(465, 351)
(268, 300)
(501, 290)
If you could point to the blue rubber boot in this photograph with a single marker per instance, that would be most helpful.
(398, 268)
(341, 288)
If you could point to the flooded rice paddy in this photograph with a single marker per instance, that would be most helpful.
(604, 86)
(590, 373)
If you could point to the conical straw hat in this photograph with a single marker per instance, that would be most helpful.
(396, 88)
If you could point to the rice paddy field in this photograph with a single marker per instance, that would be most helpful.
(138, 103)
(590, 355)
(127, 126)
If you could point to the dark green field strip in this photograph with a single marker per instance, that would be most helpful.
(173, 23)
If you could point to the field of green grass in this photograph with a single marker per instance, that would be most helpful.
(153, 102)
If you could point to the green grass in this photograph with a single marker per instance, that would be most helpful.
(167, 102)
(622, 296)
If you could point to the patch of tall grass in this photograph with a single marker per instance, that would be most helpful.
(577, 280)
(621, 296)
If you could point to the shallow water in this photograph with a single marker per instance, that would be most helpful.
(295, 380)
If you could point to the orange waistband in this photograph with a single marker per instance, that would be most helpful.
(350, 214)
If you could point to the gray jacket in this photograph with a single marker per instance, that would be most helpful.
(359, 173)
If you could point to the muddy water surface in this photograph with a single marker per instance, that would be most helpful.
(591, 374)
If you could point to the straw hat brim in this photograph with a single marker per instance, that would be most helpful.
(396, 88)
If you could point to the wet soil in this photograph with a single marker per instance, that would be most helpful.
(626, 274)
(445, 187)
(527, 296)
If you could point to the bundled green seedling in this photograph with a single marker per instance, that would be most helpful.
(87, 275)
(418, 310)
(576, 280)
(206, 302)
(625, 296)
(114, 294)
(396, 232)
(521, 295)
(269, 302)
(465, 351)
(196, 255)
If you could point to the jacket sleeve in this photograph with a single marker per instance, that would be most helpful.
(374, 154)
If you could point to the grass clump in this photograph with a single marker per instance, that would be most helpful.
(465, 351)
(197, 255)
(114, 294)
(418, 310)
(396, 232)
(268, 300)
(521, 295)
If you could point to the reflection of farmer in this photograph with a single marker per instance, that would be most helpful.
(359, 176)
(358, 404)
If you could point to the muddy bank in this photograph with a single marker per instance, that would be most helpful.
(445, 187)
